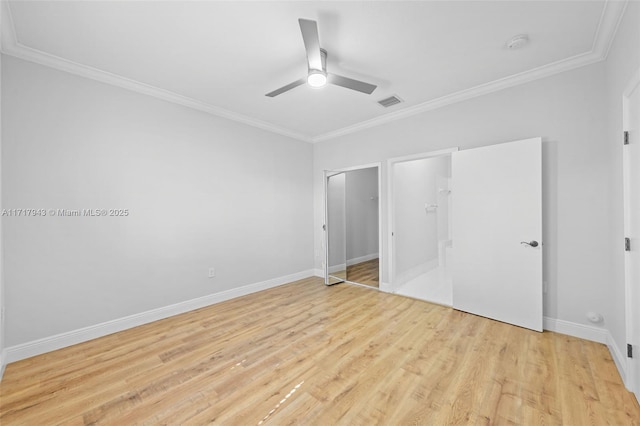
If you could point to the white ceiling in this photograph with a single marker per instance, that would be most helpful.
(222, 57)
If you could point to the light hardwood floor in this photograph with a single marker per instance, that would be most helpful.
(305, 353)
(366, 273)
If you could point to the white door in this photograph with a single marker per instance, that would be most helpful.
(631, 172)
(497, 232)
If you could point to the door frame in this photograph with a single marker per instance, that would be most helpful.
(632, 316)
(391, 162)
(326, 175)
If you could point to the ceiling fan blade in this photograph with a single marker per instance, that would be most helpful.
(350, 83)
(311, 43)
(287, 87)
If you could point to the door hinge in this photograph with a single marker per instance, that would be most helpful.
(626, 137)
(627, 244)
(629, 350)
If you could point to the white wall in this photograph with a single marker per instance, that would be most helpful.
(204, 192)
(622, 62)
(417, 230)
(201, 191)
(362, 213)
(568, 111)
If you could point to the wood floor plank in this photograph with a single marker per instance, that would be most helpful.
(366, 273)
(305, 353)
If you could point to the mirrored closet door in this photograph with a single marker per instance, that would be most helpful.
(335, 228)
(352, 226)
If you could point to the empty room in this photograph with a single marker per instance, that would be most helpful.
(320, 212)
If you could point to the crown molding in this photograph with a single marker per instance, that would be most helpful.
(11, 46)
(610, 19)
(474, 92)
(612, 13)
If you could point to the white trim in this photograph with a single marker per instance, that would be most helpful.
(318, 273)
(3, 362)
(3, 321)
(325, 232)
(11, 46)
(352, 168)
(361, 259)
(587, 332)
(386, 287)
(337, 268)
(618, 358)
(381, 200)
(611, 16)
(466, 94)
(422, 155)
(610, 19)
(595, 334)
(58, 341)
(632, 316)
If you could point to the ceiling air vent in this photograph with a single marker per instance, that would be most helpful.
(390, 101)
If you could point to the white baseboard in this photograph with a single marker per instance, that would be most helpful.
(58, 341)
(595, 334)
(318, 273)
(48, 344)
(3, 362)
(361, 259)
(386, 287)
(337, 268)
(618, 358)
(587, 332)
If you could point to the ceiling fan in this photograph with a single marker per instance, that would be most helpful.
(317, 62)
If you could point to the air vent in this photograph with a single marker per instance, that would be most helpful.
(390, 101)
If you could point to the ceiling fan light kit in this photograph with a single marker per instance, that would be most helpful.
(317, 65)
(316, 78)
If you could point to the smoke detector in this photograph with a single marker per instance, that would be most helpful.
(517, 42)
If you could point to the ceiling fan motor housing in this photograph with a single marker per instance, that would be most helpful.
(318, 78)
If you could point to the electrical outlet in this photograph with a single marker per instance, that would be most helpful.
(212, 272)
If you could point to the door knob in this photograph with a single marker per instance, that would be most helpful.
(531, 243)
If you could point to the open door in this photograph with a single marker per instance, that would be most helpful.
(631, 176)
(496, 232)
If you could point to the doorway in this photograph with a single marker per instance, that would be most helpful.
(420, 225)
(466, 227)
(352, 226)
